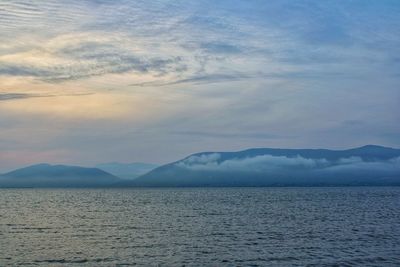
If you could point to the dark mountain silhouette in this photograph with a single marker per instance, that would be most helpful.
(367, 165)
(45, 175)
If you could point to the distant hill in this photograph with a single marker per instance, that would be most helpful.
(45, 175)
(126, 170)
(367, 165)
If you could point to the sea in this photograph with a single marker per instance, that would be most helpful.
(349, 226)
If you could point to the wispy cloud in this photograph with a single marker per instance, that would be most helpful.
(199, 79)
(19, 96)
(21, 70)
(74, 57)
(213, 162)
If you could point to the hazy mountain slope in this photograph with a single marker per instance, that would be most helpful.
(45, 175)
(126, 170)
(368, 165)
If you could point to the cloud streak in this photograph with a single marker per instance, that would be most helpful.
(19, 96)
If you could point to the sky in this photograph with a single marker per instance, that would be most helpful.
(90, 81)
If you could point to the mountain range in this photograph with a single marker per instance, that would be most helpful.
(367, 165)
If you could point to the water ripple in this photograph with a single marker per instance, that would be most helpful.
(201, 227)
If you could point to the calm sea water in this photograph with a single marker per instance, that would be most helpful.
(201, 227)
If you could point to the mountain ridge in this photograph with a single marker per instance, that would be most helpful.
(366, 165)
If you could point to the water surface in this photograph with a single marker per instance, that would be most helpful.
(201, 227)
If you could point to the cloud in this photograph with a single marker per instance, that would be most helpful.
(211, 78)
(220, 48)
(14, 96)
(282, 164)
(358, 165)
(213, 162)
(74, 56)
(199, 79)
(23, 70)
(19, 96)
(97, 58)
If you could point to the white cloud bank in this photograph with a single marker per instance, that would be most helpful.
(269, 163)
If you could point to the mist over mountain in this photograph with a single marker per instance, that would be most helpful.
(367, 165)
(45, 175)
(126, 170)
